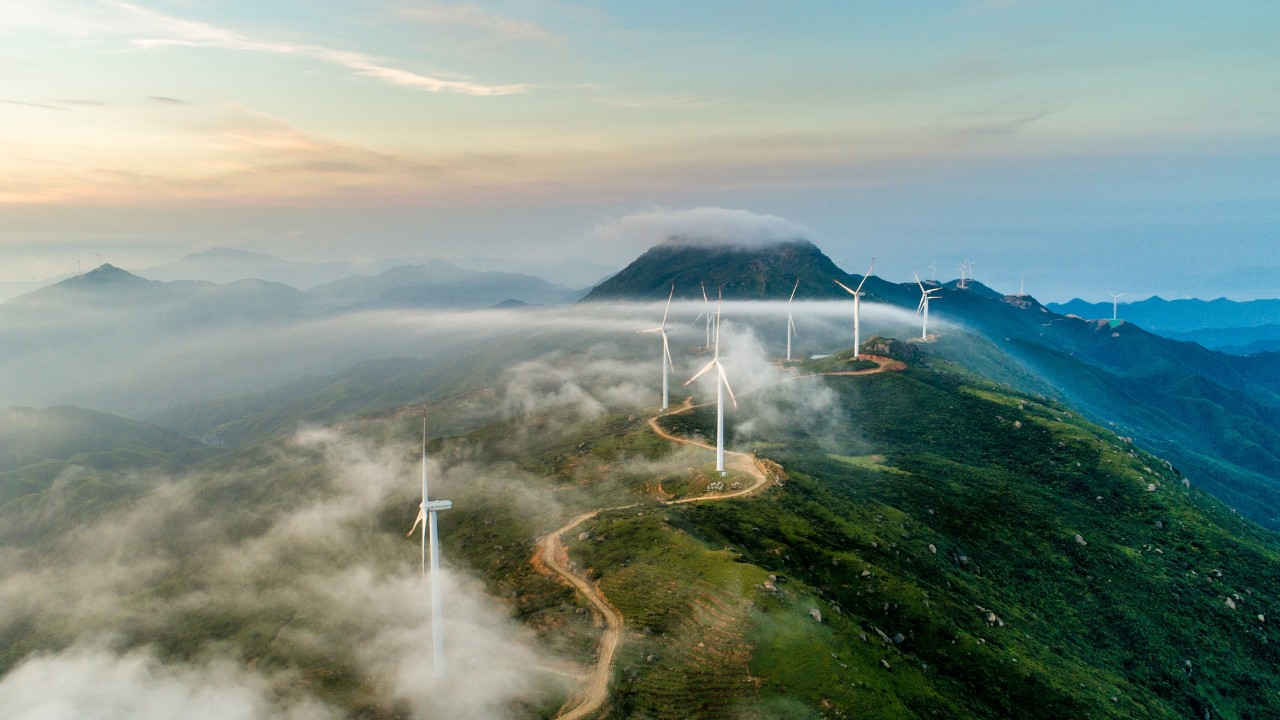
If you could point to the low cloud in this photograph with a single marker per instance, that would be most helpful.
(221, 594)
(699, 226)
(90, 679)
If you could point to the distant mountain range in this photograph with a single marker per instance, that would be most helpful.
(1236, 327)
(438, 284)
(224, 265)
(184, 301)
(95, 326)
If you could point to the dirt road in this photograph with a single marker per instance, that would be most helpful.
(552, 556)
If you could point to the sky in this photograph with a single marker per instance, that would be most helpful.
(1091, 146)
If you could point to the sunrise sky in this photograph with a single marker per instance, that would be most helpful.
(1068, 140)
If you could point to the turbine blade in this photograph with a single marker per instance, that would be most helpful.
(415, 524)
(668, 308)
(846, 287)
(917, 277)
(725, 379)
(793, 291)
(704, 291)
(666, 352)
(864, 280)
(701, 372)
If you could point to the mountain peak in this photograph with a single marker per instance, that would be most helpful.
(752, 270)
(103, 275)
(745, 243)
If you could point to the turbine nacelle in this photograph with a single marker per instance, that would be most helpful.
(720, 370)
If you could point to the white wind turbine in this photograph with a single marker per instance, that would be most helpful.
(722, 384)
(666, 349)
(1115, 302)
(933, 271)
(427, 511)
(791, 323)
(857, 328)
(706, 304)
(923, 307)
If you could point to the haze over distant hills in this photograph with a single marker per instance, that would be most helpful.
(1239, 328)
(441, 284)
(225, 265)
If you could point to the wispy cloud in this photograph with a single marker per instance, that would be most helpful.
(166, 30)
(42, 106)
(473, 17)
(167, 100)
(148, 29)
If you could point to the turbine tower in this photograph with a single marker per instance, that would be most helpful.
(427, 510)
(722, 384)
(923, 307)
(1115, 302)
(791, 323)
(857, 330)
(666, 349)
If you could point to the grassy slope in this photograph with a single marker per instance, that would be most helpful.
(1000, 486)
(718, 596)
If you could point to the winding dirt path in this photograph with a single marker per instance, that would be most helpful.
(551, 556)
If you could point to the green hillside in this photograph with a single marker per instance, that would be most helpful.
(971, 553)
(928, 545)
(30, 435)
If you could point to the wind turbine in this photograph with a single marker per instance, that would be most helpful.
(923, 307)
(666, 349)
(1022, 284)
(427, 510)
(791, 324)
(1115, 302)
(966, 274)
(857, 330)
(722, 384)
(933, 271)
(706, 311)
